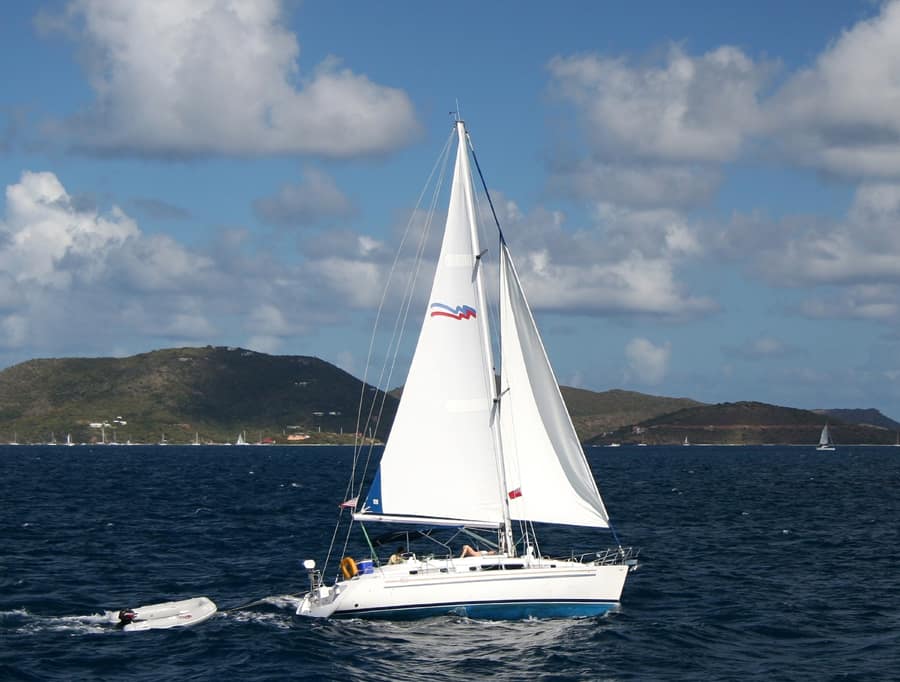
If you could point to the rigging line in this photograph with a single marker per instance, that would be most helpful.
(357, 445)
(400, 325)
(358, 477)
(390, 277)
(381, 305)
(486, 192)
(441, 162)
(264, 600)
(614, 533)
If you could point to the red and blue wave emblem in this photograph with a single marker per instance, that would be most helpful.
(460, 312)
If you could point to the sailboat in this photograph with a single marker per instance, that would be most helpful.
(69, 439)
(825, 439)
(196, 438)
(240, 439)
(467, 455)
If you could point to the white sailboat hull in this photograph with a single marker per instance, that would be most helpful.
(464, 451)
(493, 587)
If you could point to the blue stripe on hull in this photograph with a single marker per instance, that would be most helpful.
(488, 610)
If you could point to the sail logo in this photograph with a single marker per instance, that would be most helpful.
(460, 312)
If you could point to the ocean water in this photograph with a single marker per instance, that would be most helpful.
(757, 563)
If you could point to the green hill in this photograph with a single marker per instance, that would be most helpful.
(214, 391)
(746, 423)
(870, 416)
(220, 392)
(594, 414)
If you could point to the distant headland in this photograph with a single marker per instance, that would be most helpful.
(217, 394)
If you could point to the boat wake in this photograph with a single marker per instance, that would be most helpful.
(275, 611)
(23, 621)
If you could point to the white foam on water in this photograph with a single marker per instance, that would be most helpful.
(32, 623)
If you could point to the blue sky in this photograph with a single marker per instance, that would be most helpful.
(703, 197)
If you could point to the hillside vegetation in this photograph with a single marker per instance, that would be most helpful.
(745, 423)
(219, 392)
(216, 392)
(594, 414)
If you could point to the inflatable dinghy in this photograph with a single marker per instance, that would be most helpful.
(170, 614)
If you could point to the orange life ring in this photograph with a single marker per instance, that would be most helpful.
(348, 568)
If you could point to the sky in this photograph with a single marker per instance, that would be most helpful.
(703, 198)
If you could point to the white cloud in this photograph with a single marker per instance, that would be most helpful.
(688, 109)
(624, 264)
(659, 133)
(865, 302)
(840, 115)
(13, 331)
(265, 344)
(315, 199)
(183, 79)
(655, 233)
(761, 348)
(646, 361)
(655, 133)
(346, 360)
(268, 320)
(46, 232)
(636, 184)
(633, 285)
(75, 278)
(863, 248)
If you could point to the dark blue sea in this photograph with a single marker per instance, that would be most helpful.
(762, 563)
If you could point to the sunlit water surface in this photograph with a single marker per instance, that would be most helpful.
(757, 563)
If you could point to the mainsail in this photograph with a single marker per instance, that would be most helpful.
(439, 460)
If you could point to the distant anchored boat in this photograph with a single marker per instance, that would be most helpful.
(825, 442)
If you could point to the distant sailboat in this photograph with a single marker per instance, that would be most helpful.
(196, 438)
(825, 439)
(686, 442)
(240, 439)
(69, 439)
(163, 440)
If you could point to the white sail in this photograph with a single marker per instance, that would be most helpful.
(439, 459)
(460, 453)
(546, 471)
(825, 437)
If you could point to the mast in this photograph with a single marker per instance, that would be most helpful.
(483, 323)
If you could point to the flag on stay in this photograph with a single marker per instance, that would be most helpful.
(350, 504)
(513, 494)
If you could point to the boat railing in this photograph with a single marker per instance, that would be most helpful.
(610, 556)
